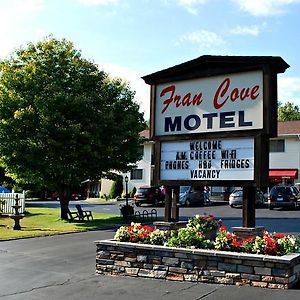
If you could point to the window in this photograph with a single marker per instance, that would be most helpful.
(277, 146)
(136, 174)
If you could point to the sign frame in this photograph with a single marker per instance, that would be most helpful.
(218, 160)
(260, 164)
(209, 67)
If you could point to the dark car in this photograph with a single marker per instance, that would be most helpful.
(149, 195)
(283, 196)
(191, 196)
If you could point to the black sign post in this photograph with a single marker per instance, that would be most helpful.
(249, 206)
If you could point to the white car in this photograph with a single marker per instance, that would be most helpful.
(236, 198)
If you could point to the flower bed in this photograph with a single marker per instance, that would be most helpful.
(187, 254)
(204, 232)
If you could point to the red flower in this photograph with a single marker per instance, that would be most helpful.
(236, 243)
(230, 236)
(249, 239)
(271, 245)
(279, 235)
(222, 228)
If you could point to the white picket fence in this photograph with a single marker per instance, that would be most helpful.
(8, 200)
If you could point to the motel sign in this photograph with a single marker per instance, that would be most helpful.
(211, 120)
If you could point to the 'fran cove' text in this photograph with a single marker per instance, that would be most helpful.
(223, 103)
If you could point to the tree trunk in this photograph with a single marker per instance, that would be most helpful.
(64, 199)
(64, 208)
(44, 194)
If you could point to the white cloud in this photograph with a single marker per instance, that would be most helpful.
(142, 96)
(16, 19)
(289, 90)
(190, 2)
(207, 40)
(189, 5)
(264, 7)
(31, 6)
(253, 30)
(99, 2)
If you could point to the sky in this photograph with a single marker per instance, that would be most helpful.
(133, 38)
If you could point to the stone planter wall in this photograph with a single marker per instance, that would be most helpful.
(209, 266)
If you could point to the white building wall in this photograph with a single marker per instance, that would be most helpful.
(290, 158)
(106, 185)
(145, 165)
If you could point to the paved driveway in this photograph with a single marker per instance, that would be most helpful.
(62, 267)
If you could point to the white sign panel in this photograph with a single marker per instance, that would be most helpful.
(213, 104)
(219, 159)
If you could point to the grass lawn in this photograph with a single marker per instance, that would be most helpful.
(46, 221)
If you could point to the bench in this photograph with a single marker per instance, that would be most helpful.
(84, 214)
(80, 214)
(72, 215)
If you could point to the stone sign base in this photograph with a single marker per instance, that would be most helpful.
(197, 265)
(245, 232)
(163, 225)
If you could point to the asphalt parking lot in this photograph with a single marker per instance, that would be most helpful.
(63, 267)
(277, 220)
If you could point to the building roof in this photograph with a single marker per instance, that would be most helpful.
(145, 134)
(289, 128)
(211, 65)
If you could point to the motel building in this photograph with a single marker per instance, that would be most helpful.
(284, 159)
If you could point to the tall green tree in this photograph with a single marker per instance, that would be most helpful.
(62, 120)
(288, 112)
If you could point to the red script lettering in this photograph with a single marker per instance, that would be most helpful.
(179, 100)
(223, 93)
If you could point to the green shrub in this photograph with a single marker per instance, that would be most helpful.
(117, 188)
(187, 238)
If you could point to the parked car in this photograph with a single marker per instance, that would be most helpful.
(184, 191)
(74, 196)
(149, 195)
(283, 196)
(236, 198)
(226, 193)
(189, 196)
